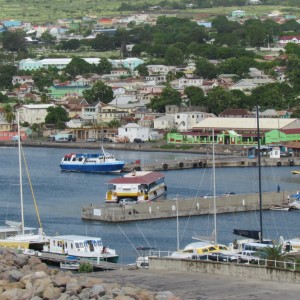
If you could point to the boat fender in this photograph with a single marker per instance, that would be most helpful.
(165, 166)
(254, 163)
(200, 164)
(242, 163)
(194, 165)
(204, 165)
(181, 164)
(165, 187)
(291, 163)
(278, 164)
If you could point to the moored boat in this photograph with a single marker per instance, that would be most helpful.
(295, 172)
(80, 247)
(140, 185)
(102, 162)
(282, 208)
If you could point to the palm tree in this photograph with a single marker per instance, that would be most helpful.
(273, 254)
(9, 115)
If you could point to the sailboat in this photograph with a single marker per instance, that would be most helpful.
(203, 245)
(15, 234)
(253, 236)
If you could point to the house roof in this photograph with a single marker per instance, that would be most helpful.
(243, 123)
(236, 112)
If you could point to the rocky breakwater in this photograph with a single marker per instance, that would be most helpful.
(23, 277)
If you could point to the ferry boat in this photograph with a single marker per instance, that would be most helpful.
(86, 162)
(140, 185)
(80, 247)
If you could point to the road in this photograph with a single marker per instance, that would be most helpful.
(200, 286)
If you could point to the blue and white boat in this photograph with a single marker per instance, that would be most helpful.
(88, 162)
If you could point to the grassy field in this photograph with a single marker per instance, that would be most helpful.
(42, 11)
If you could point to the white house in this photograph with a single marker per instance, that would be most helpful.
(164, 122)
(134, 131)
(185, 121)
(34, 113)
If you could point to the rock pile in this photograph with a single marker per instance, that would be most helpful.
(24, 278)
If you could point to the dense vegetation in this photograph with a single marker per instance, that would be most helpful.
(175, 41)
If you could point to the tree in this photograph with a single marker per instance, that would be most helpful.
(205, 69)
(9, 115)
(56, 115)
(104, 66)
(78, 66)
(47, 37)
(6, 74)
(272, 254)
(99, 92)
(72, 44)
(174, 56)
(218, 99)
(169, 96)
(114, 124)
(195, 95)
(142, 69)
(43, 78)
(14, 41)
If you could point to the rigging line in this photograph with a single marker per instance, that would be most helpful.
(119, 227)
(31, 188)
(142, 234)
(193, 206)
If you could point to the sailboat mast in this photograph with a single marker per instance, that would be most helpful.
(20, 173)
(214, 188)
(259, 174)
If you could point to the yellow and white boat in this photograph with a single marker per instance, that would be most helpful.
(142, 186)
(295, 172)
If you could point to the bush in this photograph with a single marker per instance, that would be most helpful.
(85, 267)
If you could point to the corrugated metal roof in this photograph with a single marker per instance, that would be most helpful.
(137, 178)
(244, 123)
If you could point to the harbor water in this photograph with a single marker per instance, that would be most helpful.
(61, 195)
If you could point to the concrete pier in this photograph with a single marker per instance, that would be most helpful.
(206, 162)
(186, 207)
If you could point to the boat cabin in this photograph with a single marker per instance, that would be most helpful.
(64, 244)
(138, 185)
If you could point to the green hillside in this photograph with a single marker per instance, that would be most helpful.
(42, 11)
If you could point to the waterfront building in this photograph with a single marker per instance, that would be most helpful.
(240, 131)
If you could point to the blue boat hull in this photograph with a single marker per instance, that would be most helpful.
(92, 168)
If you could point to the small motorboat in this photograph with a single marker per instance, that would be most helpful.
(70, 265)
(284, 208)
(295, 172)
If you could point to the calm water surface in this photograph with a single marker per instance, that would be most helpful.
(61, 195)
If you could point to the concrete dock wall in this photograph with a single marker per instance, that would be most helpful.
(206, 162)
(186, 207)
(228, 269)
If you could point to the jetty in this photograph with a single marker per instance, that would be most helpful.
(161, 209)
(56, 259)
(205, 161)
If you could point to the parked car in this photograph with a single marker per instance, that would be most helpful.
(138, 141)
(62, 140)
(228, 194)
(91, 140)
(51, 139)
(106, 140)
(15, 138)
(248, 256)
(217, 256)
(126, 201)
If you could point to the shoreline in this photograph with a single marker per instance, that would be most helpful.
(145, 147)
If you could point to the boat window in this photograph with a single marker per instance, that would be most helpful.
(77, 245)
(66, 245)
(223, 247)
(71, 245)
(212, 249)
(80, 159)
(205, 250)
(53, 243)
